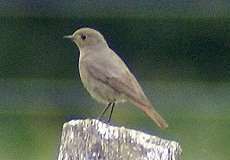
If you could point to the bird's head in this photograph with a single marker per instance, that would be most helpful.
(86, 37)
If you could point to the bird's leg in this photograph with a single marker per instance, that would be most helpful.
(111, 112)
(103, 112)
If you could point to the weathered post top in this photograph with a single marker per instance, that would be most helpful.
(95, 140)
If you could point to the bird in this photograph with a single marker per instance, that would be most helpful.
(106, 77)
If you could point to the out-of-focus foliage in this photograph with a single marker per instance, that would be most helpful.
(122, 8)
(181, 48)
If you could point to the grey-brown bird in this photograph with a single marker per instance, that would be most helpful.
(106, 77)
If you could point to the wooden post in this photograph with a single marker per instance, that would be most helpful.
(95, 140)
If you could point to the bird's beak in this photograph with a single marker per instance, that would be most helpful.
(68, 37)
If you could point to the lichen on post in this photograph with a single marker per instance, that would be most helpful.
(95, 140)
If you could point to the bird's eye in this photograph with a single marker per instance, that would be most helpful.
(83, 37)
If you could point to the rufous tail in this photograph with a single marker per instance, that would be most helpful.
(152, 113)
(156, 117)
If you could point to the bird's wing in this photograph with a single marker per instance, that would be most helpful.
(113, 72)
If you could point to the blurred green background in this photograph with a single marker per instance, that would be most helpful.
(180, 53)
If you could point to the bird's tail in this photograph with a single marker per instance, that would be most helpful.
(151, 112)
(156, 117)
